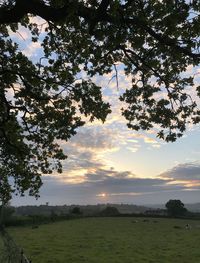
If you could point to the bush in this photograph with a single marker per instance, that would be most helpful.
(175, 208)
(110, 211)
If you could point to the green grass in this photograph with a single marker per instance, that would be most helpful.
(2, 250)
(111, 240)
(1, 243)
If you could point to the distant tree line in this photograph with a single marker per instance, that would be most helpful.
(35, 217)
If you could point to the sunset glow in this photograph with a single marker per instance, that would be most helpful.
(102, 195)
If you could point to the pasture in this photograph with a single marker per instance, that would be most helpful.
(111, 240)
(1, 243)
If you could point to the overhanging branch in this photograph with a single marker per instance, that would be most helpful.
(21, 8)
(36, 7)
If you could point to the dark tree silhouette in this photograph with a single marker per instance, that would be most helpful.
(175, 208)
(109, 211)
(76, 210)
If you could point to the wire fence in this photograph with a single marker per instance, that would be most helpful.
(11, 253)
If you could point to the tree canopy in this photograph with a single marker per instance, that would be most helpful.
(46, 101)
(175, 208)
(109, 211)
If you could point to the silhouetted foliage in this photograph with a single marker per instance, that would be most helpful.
(109, 211)
(53, 215)
(76, 210)
(6, 213)
(175, 208)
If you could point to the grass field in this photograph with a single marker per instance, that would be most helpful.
(111, 240)
(1, 243)
(2, 250)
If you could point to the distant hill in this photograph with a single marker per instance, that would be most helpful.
(129, 209)
(85, 209)
(89, 210)
(193, 207)
(190, 207)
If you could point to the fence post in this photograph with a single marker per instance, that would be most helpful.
(22, 254)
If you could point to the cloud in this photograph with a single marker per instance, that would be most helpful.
(41, 23)
(184, 172)
(22, 34)
(112, 182)
(100, 178)
(95, 139)
(32, 49)
(88, 150)
(86, 153)
(115, 120)
(108, 185)
(156, 146)
(149, 140)
(133, 149)
(100, 184)
(187, 175)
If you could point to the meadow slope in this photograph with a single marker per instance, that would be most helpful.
(111, 240)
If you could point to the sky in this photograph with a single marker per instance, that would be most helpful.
(109, 163)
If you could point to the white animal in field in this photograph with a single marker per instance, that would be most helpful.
(188, 226)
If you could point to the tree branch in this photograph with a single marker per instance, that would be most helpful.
(37, 7)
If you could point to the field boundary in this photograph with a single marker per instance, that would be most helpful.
(11, 252)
